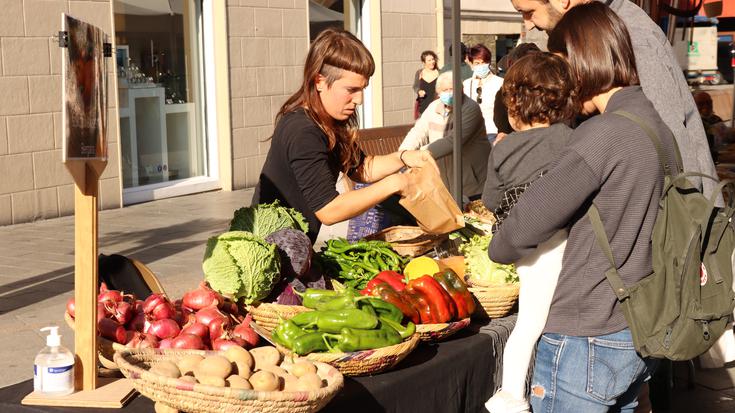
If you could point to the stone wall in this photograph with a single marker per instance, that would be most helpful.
(34, 184)
(408, 28)
(268, 41)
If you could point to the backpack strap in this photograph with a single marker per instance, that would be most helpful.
(655, 140)
(611, 274)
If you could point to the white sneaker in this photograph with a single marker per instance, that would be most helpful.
(504, 402)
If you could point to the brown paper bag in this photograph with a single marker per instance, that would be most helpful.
(429, 201)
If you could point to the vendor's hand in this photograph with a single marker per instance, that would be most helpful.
(402, 182)
(419, 159)
(422, 93)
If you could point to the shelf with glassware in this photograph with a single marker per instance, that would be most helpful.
(156, 134)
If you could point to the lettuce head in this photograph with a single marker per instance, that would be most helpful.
(479, 265)
(265, 219)
(241, 265)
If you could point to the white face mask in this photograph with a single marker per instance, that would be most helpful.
(481, 71)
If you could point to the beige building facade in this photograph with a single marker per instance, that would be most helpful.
(194, 87)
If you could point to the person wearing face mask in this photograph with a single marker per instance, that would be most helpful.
(315, 140)
(483, 86)
(434, 131)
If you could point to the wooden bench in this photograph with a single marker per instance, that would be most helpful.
(382, 141)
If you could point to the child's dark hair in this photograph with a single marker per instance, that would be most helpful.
(539, 88)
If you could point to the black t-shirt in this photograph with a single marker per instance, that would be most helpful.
(299, 170)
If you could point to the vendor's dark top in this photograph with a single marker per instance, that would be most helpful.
(299, 170)
(610, 161)
(520, 158)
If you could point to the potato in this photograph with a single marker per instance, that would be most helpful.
(166, 369)
(238, 382)
(212, 381)
(302, 367)
(242, 359)
(264, 381)
(187, 363)
(213, 366)
(164, 408)
(189, 379)
(265, 356)
(278, 371)
(291, 386)
(309, 382)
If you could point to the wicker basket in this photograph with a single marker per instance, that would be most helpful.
(438, 332)
(408, 241)
(204, 398)
(268, 315)
(366, 362)
(495, 301)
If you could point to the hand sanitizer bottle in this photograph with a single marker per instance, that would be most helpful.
(53, 369)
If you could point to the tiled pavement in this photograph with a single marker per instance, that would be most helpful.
(37, 277)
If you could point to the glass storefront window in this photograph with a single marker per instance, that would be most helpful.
(160, 89)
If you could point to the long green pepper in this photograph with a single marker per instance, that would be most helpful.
(335, 320)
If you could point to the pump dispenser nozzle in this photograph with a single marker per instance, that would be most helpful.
(53, 339)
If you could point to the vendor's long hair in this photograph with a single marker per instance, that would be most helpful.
(332, 52)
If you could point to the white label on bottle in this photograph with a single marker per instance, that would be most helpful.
(57, 379)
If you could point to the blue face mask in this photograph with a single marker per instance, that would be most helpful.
(481, 71)
(447, 97)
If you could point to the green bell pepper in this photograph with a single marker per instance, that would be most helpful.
(309, 343)
(353, 339)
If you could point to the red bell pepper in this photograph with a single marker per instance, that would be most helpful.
(384, 291)
(464, 303)
(392, 278)
(458, 283)
(440, 302)
(421, 304)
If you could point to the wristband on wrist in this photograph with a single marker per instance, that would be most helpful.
(401, 158)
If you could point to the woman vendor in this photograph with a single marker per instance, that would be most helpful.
(315, 139)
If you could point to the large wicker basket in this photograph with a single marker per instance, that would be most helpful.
(408, 241)
(202, 398)
(268, 315)
(366, 362)
(440, 331)
(495, 301)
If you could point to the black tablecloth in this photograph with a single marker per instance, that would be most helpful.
(457, 375)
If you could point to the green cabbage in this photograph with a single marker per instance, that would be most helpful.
(265, 219)
(241, 265)
(480, 266)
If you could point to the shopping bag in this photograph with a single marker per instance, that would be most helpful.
(429, 201)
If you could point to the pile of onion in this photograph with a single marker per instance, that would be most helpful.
(202, 319)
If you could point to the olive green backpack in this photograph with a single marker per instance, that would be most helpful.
(684, 306)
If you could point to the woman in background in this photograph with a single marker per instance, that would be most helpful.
(483, 85)
(424, 83)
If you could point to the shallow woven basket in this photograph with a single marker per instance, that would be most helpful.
(440, 331)
(495, 301)
(202, 398)
(366, 362)
(268, 315)
(408, 241)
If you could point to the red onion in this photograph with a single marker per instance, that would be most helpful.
(166, 343)
(162, 310)
(188, 341)
(140, 340)
(223, 344)
(198, 329)
(112, 330)
(154, 300)
(70, 307)
(218, 328)
(206, 315)
(179, 317)
(229, 307)
(137, 323)
(101, 312)
(109, 295)
(201, 297)
(247, 334)
(166, 328)
(121, 311)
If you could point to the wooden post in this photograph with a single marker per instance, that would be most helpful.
(86, 176)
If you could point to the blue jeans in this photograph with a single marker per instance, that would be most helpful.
(588, 374)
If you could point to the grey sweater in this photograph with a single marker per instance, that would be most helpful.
(664, 85)
(610, 161)
(520, 158)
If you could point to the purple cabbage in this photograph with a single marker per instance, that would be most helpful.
(295, 250)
